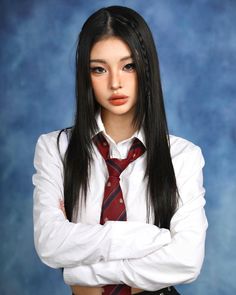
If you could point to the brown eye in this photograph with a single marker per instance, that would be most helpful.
(129, 67)
(97, 70)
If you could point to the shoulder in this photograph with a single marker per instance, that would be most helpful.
(180, 146)
(53, 143)
(49, 137)
(185, 154)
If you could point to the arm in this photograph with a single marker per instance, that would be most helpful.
(60, 243)
(178, 262)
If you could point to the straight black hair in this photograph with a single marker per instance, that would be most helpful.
(128, 25)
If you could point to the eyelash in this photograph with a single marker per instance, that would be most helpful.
(130, 67)
(97, 70)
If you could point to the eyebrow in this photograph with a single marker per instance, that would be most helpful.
(104, 62)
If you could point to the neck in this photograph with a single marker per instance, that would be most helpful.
(118, 127)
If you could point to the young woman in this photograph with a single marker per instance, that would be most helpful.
(118, 202)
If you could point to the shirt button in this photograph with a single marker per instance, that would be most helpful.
(121, 200)
(134, 155)
(104, 143)
(106, 219)
(108, 184)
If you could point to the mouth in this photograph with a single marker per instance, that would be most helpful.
(118, 99)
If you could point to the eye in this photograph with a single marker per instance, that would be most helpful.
(97, 70)
(129, 67)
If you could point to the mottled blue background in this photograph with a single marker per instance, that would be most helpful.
(197, 49)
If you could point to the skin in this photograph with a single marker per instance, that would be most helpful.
(112, 72)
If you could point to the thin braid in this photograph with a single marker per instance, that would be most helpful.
(143, 52)
(145, 58)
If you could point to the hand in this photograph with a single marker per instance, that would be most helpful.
(62, 207)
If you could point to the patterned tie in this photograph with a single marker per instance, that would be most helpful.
(113, 206)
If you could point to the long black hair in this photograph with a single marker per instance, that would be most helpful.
(129, 26)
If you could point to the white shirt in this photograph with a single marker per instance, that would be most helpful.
(134, 252)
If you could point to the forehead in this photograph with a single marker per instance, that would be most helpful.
(111, 47)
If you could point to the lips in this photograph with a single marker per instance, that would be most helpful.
(118, 99)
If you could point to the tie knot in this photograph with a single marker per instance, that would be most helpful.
(115, 166)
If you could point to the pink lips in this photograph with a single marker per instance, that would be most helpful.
(118, 99)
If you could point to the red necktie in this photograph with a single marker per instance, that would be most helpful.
(113, 206)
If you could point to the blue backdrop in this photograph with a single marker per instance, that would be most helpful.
(197, 49)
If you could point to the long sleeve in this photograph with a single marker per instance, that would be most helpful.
(178, 262)
(60, 243)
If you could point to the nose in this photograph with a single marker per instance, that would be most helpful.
(115, 80)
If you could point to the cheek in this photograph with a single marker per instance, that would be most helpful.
(93, 83)
(135, 83)
(96, 86)
(98, 89)
(132, 84)
(130, 78)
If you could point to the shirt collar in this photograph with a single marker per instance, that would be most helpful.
(101, 128)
